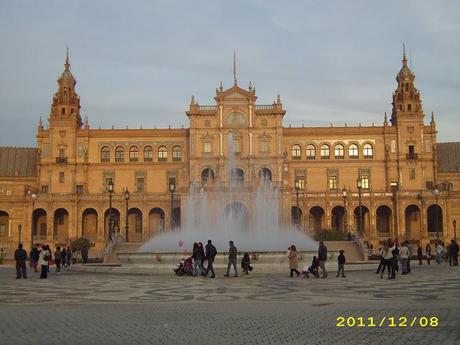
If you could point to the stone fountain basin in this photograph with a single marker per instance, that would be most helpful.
(263, 262)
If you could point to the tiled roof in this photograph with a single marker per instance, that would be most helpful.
(448, 156)
(18, 161)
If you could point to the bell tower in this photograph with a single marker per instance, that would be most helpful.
(406, 99)
(66, 102)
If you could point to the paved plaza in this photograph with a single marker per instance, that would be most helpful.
(77, 307)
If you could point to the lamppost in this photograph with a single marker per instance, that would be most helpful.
(297, 189)
(344, 196)
(110, 190)
(436, 195)
(126, 195)
(19, 231)
(454, 222)
(172, 188)
(33, 196)
(359, 184)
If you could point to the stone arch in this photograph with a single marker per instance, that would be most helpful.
(134, 225)
(434, 219)
(384, 224)
(317, 218)
(412, 217)
(296, 215)
(265, 175)
(237, 177)
(338, 218)
(115, 222)
(365, 222)
(89, 224)
(156, 221)
(61, 225)
(176, 217)
(39, 225)
(207, 176)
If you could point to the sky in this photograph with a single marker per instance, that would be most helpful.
(137, 63)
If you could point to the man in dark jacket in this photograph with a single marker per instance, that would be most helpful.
(452, 250)
(211, 253)
(232, 252)
(322, 257)
(20, 255)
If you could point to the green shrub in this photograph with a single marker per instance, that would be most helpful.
(330, 235)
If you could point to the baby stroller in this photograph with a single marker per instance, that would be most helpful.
(185, 267)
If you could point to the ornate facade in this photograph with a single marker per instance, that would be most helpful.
(58, 191)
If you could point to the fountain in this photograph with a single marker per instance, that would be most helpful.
(247, 216)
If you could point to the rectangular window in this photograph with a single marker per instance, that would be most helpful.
(79, 189)
(3, 230)
(61, 153)
(365, 182)
(412, 173)
(207, 148)
(332, 182)
(140, 184)
(61, 177)
(300, 181)
(44, 189)
(264, 146)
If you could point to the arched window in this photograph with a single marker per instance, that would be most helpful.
(119, 154)
(368, 151)
(325, 153)
(339, 151)
(105, 155)
(148, 154)
(177, 154)
(353, 151)
(162, 154)
(296, 151)
(133, 154)
(311, 152)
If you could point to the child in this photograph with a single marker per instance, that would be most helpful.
(313, 269)
(341, 263)
(246, 263)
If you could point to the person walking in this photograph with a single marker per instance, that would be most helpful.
(403, 257)
(322, 257)
(57, 259)
(419, 255)
(387, 260)
(197, 268)
(394, 250)
(439, 252)
(455, 252)
(293, 261)
(34, 255)
(203, 255)
(341, 264)
(428, 253)
(451, 252)
(68, 254)
(382, 261)
(211, 253)
(43, 261)
(20, 256)
(246, 263)
(63, 257)
(232, 254)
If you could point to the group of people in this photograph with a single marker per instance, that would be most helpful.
(41, 257)
(394, 255)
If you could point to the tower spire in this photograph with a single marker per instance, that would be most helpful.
(234, 68)
(404, 60)
(67, 62)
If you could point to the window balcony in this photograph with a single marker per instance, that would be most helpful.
(61, 160)
(411, 156)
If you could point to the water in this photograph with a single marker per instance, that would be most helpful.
(249, 218)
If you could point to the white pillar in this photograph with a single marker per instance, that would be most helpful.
(221, 116)
(221, 143)
(250, 143)
(250, 116)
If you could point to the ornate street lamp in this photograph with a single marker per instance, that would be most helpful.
(454, 222)
(344, 196)
(172, 188)
(110, 190)
(359, 184)
(19, 232)
(34, 197)
(126, 195)
(436, 193)
(297, 189)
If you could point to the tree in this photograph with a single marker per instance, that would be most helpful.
(81, 245)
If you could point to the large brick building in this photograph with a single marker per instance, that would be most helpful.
(58, 191)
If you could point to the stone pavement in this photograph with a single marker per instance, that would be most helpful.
(88, 308)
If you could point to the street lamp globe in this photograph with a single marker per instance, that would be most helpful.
(436, 192)
(126, 194)
(110, 186)
(359, 183)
